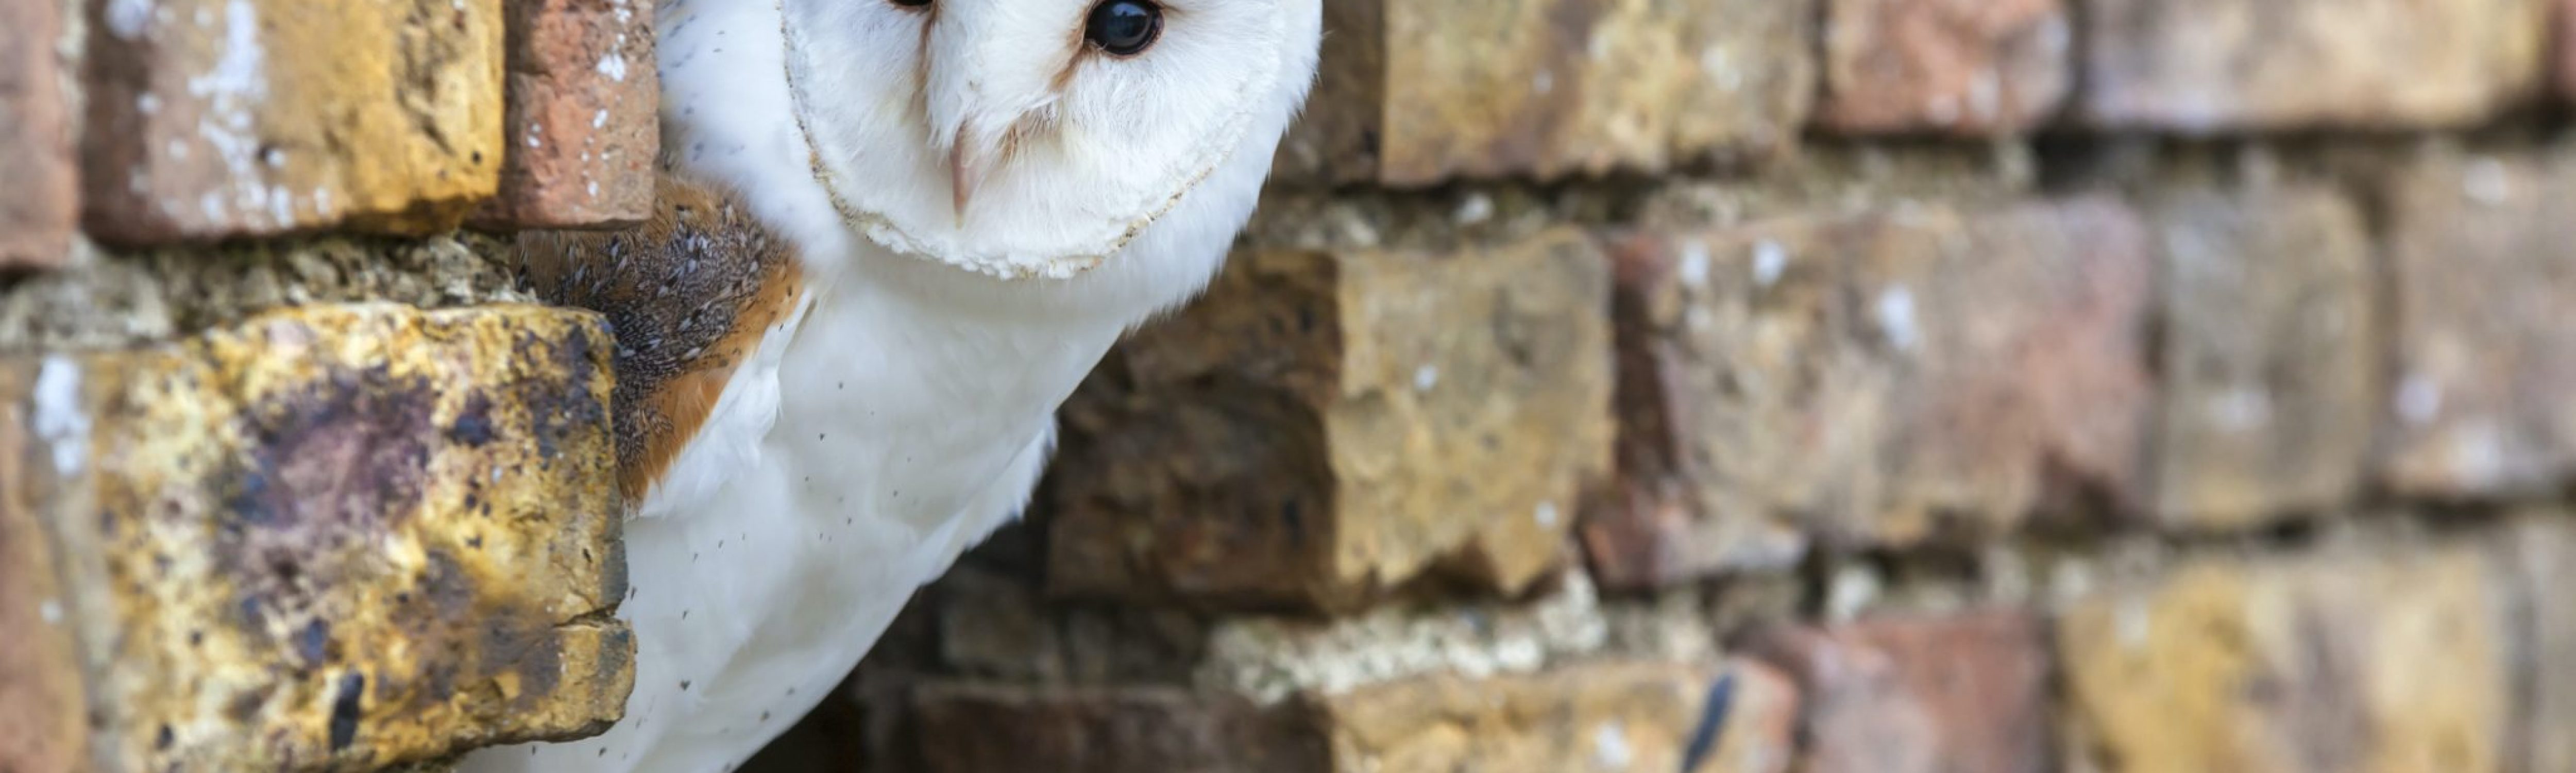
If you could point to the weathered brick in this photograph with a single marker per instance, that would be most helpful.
(1965, 693)
(1328, 424)
(2224, 65)
(2563, 65)
(2537, 556)
(37, 210)
(1420, 91)
(2269, 362)
(1882, 379)
(360, 535)
(1965, 67)
(1111, 730)
(1603, 716)
(1614, 716)
(2482, 274)
(2355, 661)
(213, 119)
(582, 127)
(43, 709)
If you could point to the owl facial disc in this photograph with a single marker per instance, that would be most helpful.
(1022, 138)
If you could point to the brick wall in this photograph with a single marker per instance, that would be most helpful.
(1834, 385)
(1951, 385)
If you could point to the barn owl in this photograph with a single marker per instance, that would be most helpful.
(892, 237)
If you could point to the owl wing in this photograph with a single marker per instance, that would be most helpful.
(701, 300)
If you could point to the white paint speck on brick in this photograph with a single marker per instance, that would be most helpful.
(1770, 260)
(1610, 749)
(1695, 263)
(59, 418)
(1895, 313)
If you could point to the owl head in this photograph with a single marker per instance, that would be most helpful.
(1032, 137)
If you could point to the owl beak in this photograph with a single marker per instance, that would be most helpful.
(966, 162)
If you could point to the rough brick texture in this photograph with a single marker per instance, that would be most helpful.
(362, 535)
(1326, 425)
(1963, 694)
(2481, 272)
(581, 124)
(2269, 363)
(2302, 665)
(1964, 67)
(2206, 66)
(1606, 717)
(37, 210)
(212, 120)
(1096, 731)
(1881, 379)
(1714, 386)
(1417, 91)
(2538, 555)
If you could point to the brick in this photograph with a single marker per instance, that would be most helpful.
(2537, 556)
(1329, 424)
(1416, 92)
(43, 708)
(967, 729)
(218, 119)
(2564, 46)
(1613, 716)
(1964, 693)
(2269, 368)
(2305, 665)
(332, 538)
(2481, 273)
(582, 126)
(1879, 379)
(1602, 716)
(1961, 67)
(38, 209)
(2211, 66)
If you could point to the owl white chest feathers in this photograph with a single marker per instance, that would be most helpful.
(811, 426)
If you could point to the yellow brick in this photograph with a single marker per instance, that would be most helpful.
(2382, 663)
(223, 118)
(332, 538)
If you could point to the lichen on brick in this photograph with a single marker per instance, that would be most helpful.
(279, 551)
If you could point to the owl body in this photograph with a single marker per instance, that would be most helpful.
(827, 397)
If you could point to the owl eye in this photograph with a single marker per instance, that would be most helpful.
(1124, 27)
(911, 3)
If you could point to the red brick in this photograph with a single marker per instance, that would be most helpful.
(1879, 379)
(37, 208)
(2270, 366)
(2483, 276)
(218, 119)
(581, 134)
(1964, 693)
(1967, 67)
(2221, 65)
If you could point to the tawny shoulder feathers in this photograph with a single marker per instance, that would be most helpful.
(689, 294)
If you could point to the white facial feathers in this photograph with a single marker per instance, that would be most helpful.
(988, 135)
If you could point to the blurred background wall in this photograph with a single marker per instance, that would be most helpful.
(1826, 385)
